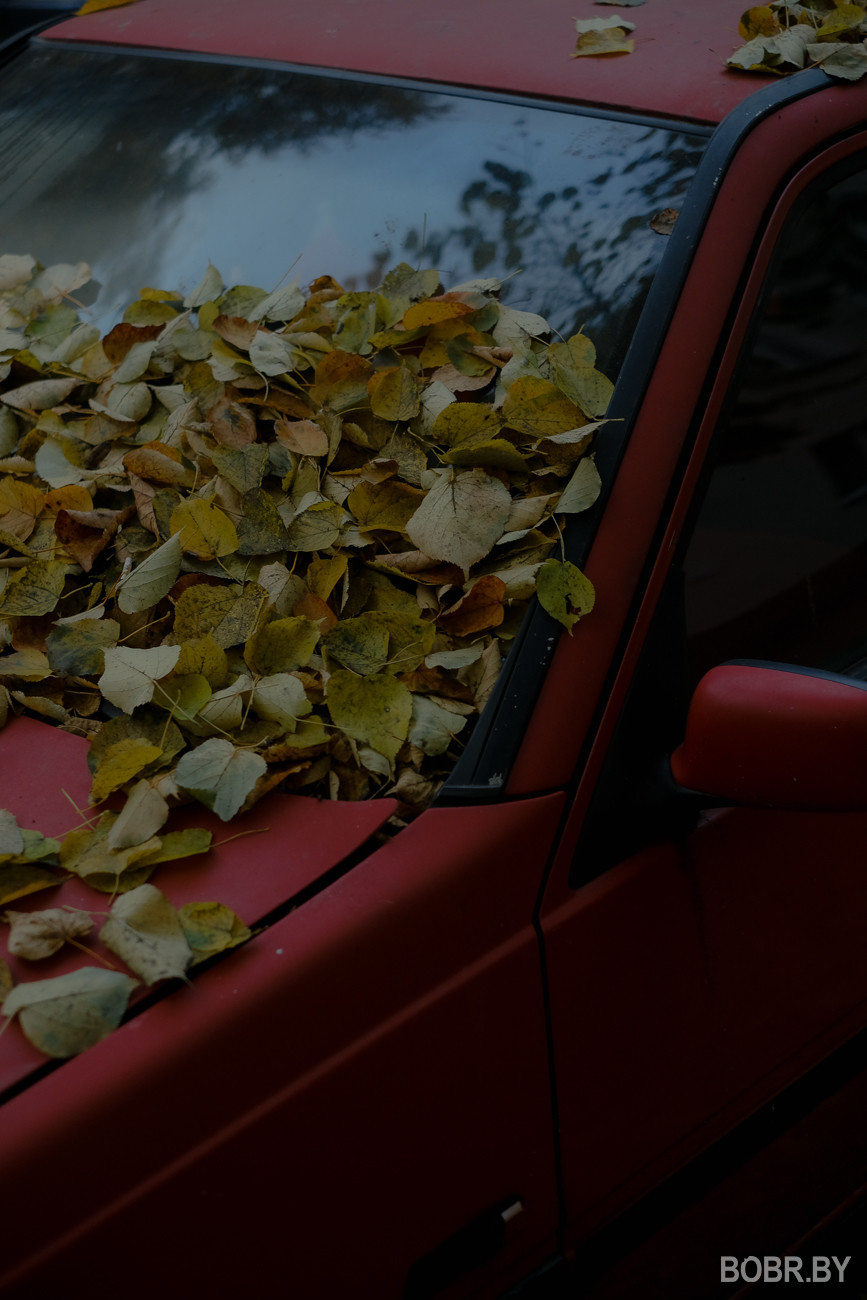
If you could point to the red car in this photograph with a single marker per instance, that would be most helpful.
(598, 1014)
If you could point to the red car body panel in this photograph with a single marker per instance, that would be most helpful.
(266, 1067)
(753, 913)
(383, 1050)
(281, 848)
(676, 70)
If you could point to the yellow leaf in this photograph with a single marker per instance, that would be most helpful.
(203, 655)
(465, 424)
(393, 394)
(760, 20)
(21, 878)
(119, 764)
(92, 7)
(205, 530)
(20, 507)
(537, 408)
(388, 505)
(564, 592)
(323, 575)
(432, 312)
(210, 928)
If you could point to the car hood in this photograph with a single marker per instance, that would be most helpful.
(261, 865)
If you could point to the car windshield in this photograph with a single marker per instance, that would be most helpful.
(149, 167)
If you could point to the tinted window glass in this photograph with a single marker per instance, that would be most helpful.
(777, 567)
(148, 167)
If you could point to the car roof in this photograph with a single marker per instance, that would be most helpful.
(676, 70)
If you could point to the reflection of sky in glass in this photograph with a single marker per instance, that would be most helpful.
(150, 168)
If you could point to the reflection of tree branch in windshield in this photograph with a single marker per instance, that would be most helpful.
(111, 136)
(590, 253)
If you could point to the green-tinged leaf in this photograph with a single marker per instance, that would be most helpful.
(87, 853)
(151, 580)
(496, 454)
(144, 931)
(564, 592)
(388, 505)
(210, 928)
(142, 816)
(261, 531)
(316, 528)
(582, 490)
(183, 696)
(130, 675)
(208, 288)
(281, 698)
(220, 776)
(281, 305)
(34, 591)
(360, 644)
(79, 648)
(280, 646)
(11, 839)
(433, 728)
(182, 844)
(68, 1014)
(375, 710)
(243, 467)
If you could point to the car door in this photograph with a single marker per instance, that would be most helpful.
(697, 967)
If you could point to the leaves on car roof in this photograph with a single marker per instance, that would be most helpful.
(603, 36)
(784, 37)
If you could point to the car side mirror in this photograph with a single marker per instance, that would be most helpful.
(774, 736)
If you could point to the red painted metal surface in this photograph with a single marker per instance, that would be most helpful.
(676, 70)
(726, 965)
(339, 1096)
(572, 687)
(762, 736)
(253, 873)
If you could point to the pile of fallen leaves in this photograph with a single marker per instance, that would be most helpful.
(785, 36)
(253, 540)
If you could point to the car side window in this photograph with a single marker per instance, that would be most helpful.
(774, 559)
(777, 563)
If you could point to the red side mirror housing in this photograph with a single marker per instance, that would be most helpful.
(770, 735)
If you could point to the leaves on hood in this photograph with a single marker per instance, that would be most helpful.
(783, 37)
(232, 500)
(144, 931)
(256, 539)
(66, 1015)
(210, 928)
(35, 935)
